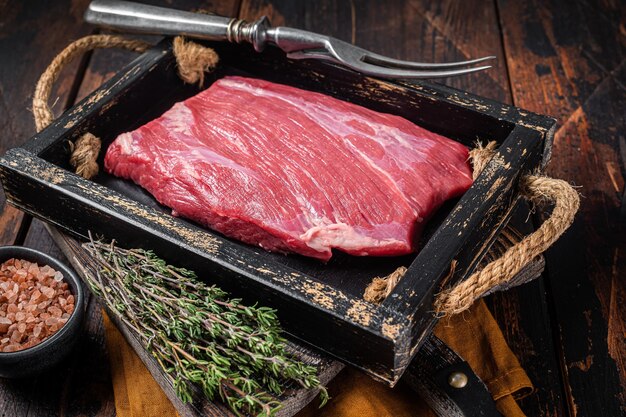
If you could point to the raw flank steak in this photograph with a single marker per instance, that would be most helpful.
(292, 170)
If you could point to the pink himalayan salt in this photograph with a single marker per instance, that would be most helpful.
(4, 324)
(35, 302)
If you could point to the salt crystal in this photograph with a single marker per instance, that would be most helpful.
(16, 336)
(35, 302)
(55, 311)
(47, 291)
(11, 348)
(4, 324)
(36, 296)
(50, 272)
(33, 269)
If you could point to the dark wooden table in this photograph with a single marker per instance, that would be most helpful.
(566, 59)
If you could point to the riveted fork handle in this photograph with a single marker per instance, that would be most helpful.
(142, 18)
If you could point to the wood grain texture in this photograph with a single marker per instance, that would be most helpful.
(565, 59)
(524, 318)
(31, 34)
(415, 30)
(39, 30)
(440, 31)
(568, 60)
(103, 64)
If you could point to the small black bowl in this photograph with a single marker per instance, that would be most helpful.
(36, 359)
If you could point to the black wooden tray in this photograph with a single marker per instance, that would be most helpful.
(319, 304)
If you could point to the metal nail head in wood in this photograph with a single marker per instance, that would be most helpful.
(457, 380)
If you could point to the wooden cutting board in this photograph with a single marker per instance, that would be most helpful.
(420, 375)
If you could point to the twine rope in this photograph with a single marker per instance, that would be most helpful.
(192, 60)
(539, 190)
(381, 287)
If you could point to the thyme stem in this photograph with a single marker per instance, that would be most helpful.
(199, 336)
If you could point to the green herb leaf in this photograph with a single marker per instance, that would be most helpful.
(199, 336)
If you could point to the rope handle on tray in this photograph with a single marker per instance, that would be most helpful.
(537, 189)
(192, 61)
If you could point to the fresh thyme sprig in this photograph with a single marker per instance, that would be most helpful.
(199, 336)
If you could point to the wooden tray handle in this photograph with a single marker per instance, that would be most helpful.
(538, 190)
(192, 60)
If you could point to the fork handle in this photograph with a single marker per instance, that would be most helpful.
(142, 18)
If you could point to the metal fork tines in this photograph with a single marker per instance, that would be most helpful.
(369, 63)
(299, 44)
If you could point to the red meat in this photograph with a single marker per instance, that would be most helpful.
(293, 170)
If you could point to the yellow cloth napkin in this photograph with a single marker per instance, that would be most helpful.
(474, 335)
(136, 393)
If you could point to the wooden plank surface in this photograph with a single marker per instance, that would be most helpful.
(567, 59)
(30, 36)
(564, 59)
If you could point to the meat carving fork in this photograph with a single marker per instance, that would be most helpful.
(298, 44)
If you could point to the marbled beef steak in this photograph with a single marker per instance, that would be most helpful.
(292, 170)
